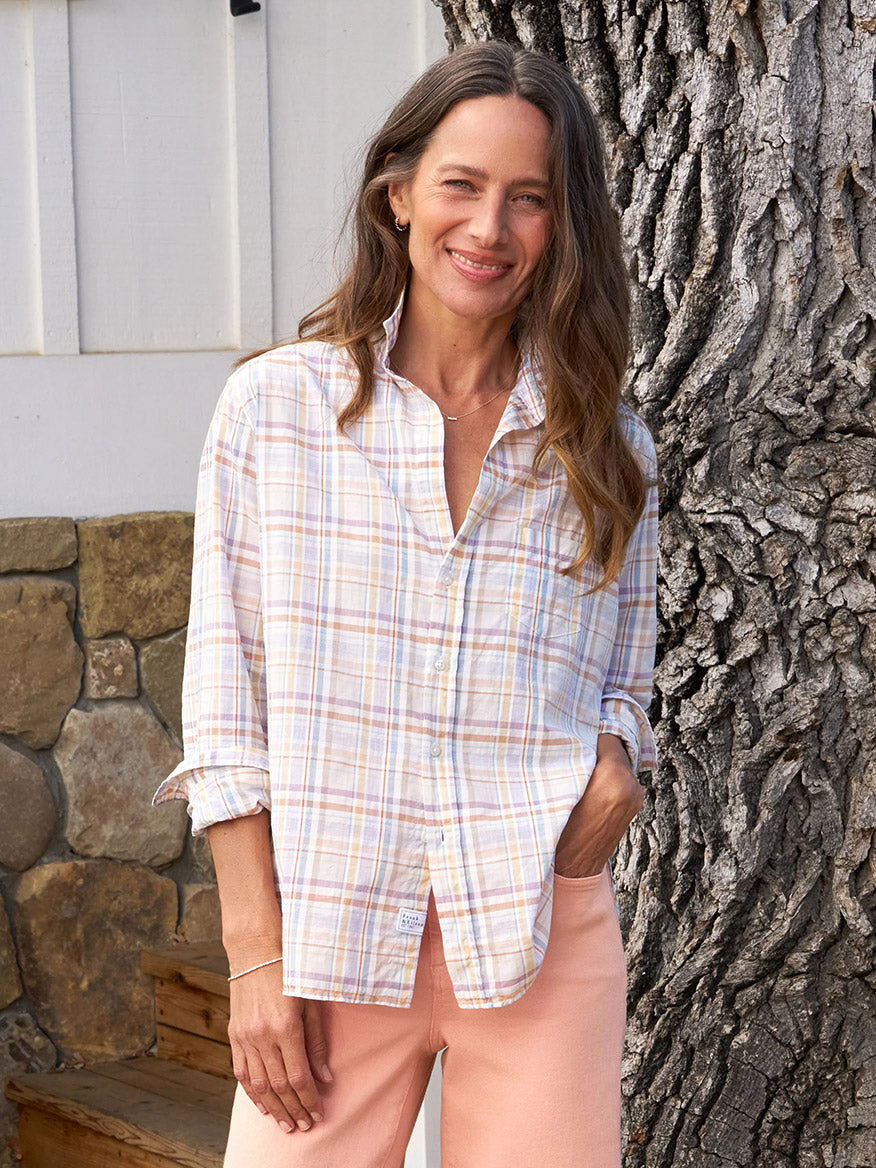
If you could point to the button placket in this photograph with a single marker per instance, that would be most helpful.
(437, 663)
(446, 627)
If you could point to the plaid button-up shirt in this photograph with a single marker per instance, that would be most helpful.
(417, 708)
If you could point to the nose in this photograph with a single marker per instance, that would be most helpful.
(488, 224)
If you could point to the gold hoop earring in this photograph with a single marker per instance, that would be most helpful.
(399, 226)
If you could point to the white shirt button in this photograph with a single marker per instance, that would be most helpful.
(440, 664)
(447, 579)
(435, 750)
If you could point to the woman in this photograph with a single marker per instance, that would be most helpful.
(420, 651)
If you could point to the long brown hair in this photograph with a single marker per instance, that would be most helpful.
(576, 315)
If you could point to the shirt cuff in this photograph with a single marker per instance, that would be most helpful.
(216, 793)
(622, 715)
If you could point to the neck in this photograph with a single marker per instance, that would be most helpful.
(453, 356)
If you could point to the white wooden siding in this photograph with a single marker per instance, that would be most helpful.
(173, 181)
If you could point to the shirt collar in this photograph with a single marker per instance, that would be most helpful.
(527, 397)
(390, 331)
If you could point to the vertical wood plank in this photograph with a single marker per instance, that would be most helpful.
(20, 311)
(54, 176)
(251, 189)
(153, 192)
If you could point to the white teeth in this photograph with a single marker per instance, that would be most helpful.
(471, 263)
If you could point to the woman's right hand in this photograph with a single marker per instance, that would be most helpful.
(278, 1048)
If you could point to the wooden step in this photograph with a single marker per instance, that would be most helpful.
(139, 1113)
(191, 1005)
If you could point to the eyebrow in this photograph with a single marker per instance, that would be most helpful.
(475, 172)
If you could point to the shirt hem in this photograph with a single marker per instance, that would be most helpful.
(297, 989)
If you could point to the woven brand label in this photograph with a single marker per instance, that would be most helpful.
(410, 921)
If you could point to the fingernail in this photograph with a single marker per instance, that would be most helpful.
(284, 1126)
(262, 1108)
(316, 1116)
(303, 1125)
(326, 1073)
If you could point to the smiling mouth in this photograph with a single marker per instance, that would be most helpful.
(480, 267)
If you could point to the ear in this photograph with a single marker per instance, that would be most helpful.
(399, 197)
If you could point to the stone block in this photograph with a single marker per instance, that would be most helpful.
(112, 759)
(110, 668)
(37, 545)
(81, 926)
(200, 919)
(204, 856)
(10, 983)
(40, 662)
(161, 670)
(27, 812)
(23, 1048)
(135, 573)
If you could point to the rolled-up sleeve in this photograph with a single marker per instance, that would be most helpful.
(627, 691)
(224, 773)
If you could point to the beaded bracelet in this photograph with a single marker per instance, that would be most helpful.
(253, 968)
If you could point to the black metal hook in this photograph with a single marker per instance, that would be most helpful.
(242, 7)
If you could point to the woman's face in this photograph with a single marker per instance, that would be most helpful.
(477, 209)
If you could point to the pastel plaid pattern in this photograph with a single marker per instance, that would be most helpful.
(416, 708)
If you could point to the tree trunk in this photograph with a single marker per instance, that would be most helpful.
(741, 156)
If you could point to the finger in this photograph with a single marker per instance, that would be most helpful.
(263, 1092)
(241, 1073)
(300, 1076)
(314, 1037)
(285, 1090)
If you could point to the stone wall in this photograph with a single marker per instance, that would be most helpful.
(92, 638)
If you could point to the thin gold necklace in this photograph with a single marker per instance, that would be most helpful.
(456, 417)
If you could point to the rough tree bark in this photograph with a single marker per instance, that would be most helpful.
(740, 140)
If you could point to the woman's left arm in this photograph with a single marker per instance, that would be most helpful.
(625, 741)
(612, 799)
(629, 678)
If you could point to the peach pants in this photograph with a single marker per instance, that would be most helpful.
(535, 1084)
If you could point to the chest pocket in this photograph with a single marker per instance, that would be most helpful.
(545, 603)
